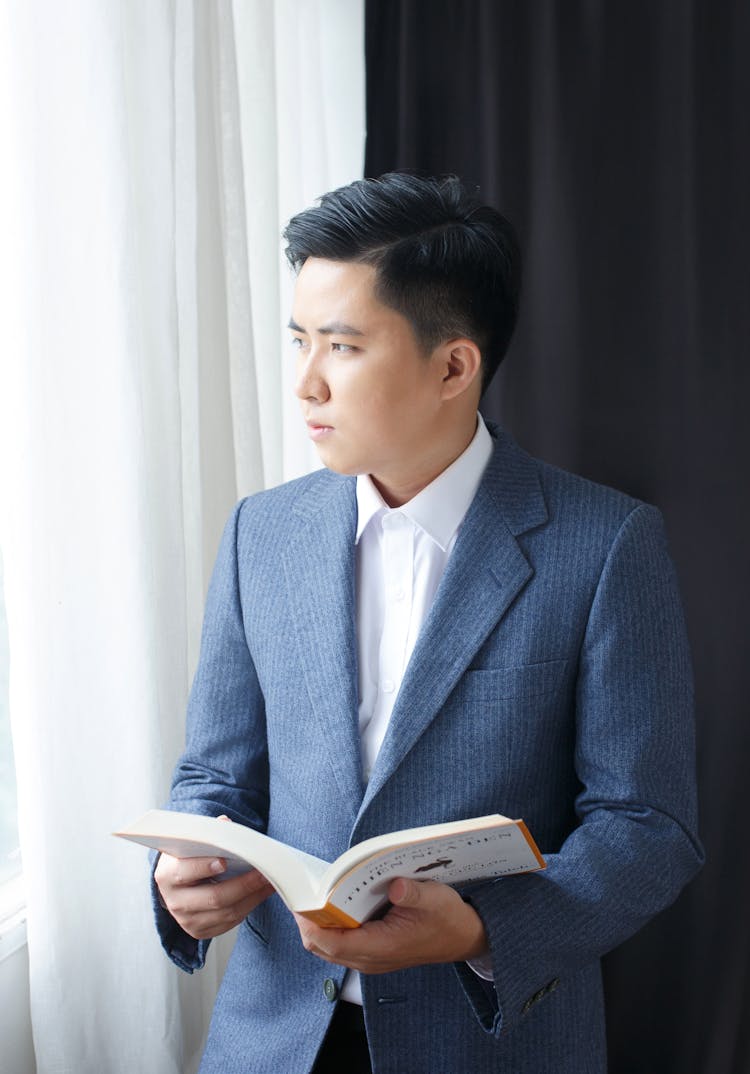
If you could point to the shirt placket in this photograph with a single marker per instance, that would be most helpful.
(398, 572)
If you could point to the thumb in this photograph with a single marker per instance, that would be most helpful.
(404, 892)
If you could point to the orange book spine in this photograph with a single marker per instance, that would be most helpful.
(330, 917)
(532, 844)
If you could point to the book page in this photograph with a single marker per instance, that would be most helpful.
(458, 859)
(294, 874)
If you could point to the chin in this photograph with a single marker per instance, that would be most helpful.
(345, 471)
(345, 467)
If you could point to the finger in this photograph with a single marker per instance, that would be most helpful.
(314, 938)
(221, 915)
(207, 910)
(184, 871)
(402, 892)
(344, 947)
(201, 896)
(239, 887)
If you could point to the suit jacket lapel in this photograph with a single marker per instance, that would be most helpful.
(319, 572)
(486, 571)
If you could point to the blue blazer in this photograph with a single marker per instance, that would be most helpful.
(551, 681)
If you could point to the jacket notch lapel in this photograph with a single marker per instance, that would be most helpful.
(486, 572)
(319, 574)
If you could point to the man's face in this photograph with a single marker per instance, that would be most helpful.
(371, 397)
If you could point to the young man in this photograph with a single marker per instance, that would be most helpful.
(436, 626)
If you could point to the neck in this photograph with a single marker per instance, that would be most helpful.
(398, 488)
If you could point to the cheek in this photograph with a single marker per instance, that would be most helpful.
(369, 401)
(388, 400)
(384, 416)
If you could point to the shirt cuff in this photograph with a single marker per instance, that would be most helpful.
(482, 967)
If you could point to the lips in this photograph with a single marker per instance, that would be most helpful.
(317, 430)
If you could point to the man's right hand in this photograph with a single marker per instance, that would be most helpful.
(202, 908)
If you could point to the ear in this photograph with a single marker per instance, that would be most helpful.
(461, 362)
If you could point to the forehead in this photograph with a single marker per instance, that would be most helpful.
(336, 290)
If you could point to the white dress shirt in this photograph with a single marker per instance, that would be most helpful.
(400, 558)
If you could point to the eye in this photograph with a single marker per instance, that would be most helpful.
(343, 348)
(298, 343)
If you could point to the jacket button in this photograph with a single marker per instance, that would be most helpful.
(330, 989)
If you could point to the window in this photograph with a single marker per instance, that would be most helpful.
(11, 892)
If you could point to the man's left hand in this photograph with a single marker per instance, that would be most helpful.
(428, 922)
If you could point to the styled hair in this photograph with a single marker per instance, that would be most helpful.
(448, 263)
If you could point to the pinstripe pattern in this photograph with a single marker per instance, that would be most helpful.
(551, 681)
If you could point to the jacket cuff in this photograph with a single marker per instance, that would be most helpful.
(185, 951)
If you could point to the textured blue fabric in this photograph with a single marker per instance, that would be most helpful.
(551, 681)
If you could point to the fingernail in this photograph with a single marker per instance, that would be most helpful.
(216, 866)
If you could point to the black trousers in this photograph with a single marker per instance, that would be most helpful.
(344, 1049)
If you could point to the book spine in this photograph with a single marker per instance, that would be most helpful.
(330, 917)
(532, 845)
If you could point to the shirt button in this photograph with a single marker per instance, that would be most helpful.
(330, 989)
(397, 593)
(387, 686)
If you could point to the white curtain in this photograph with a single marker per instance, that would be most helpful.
(151, 151)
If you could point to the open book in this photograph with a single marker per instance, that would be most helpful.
(354, 887)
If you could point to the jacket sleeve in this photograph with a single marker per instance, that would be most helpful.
(224, 768)
(635, 845)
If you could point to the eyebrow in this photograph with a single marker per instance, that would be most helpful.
(336, 328)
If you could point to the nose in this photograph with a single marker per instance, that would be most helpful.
(310, 382)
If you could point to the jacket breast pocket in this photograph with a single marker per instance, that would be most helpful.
(515, 723)
(486, 686)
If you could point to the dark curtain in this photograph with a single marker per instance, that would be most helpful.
(615, 136)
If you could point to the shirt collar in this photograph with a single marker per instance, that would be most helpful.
(439, 509)
(369, 503)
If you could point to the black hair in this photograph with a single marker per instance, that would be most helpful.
(447, 262)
